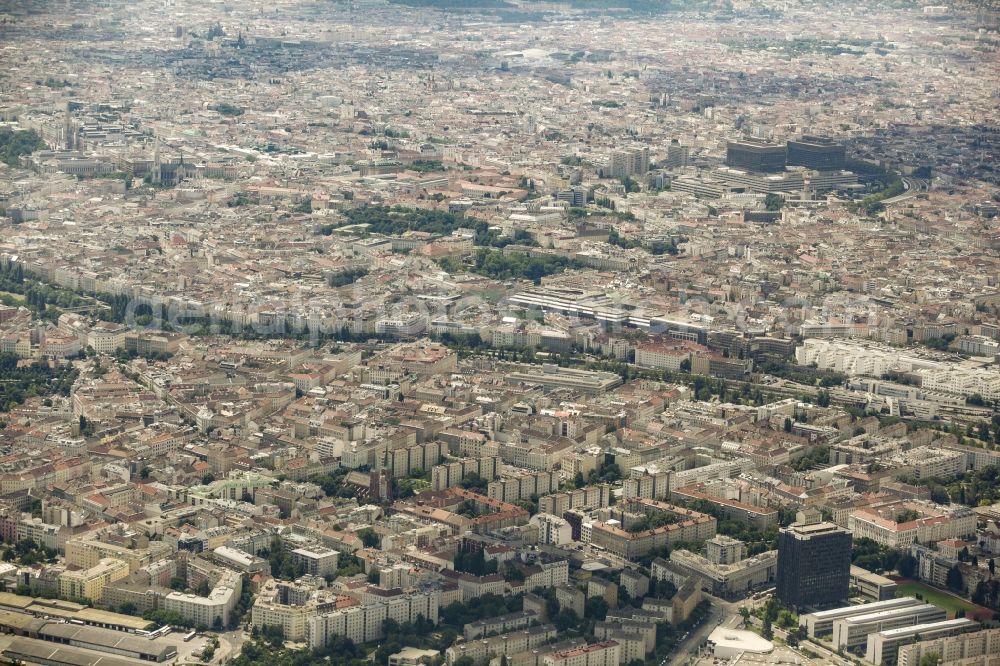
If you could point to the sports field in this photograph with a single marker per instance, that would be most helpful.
(949, 602)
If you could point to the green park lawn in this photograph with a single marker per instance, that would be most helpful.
(939, 598)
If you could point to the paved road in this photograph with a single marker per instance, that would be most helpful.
(230, 644)
(829, 656)
(912, 186)
(722, 612)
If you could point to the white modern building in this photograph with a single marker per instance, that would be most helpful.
(821, 622)
(851, 633)
(730, 643)
(213, 610)
(552, 530)
(883, 646)
(362, 624)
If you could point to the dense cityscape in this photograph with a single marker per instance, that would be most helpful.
(500, 332)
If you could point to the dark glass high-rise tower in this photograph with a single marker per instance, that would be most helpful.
(754, 155)
(817, 153)
(814, 564)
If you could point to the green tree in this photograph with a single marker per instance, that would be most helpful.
(907, 566)
(14, 144)
(774, 202)
(227, 109)
(630, 184)
(953, 580)
(369, 537)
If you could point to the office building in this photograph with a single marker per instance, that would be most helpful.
(883, 647)
(552, 377)
(106, 337)
(755, 156)
(851, 633)
(872, 585)
(575, 196)
(814, 564)
(731, 580)
(700, 187)
(816, 153)
(820, 623)
(677, 156)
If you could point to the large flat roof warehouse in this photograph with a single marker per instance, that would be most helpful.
(27, 650)
(15, 601)
(69, 610)
(104, 640)
(95, 617)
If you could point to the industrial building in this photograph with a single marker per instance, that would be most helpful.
(36, 633)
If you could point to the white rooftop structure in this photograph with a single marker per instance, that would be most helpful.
(821, 622)
(727, 643)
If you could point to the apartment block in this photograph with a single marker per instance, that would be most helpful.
(977, 647)
(89, 583)
(605, 653)
(362, 624)
(589, 497)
